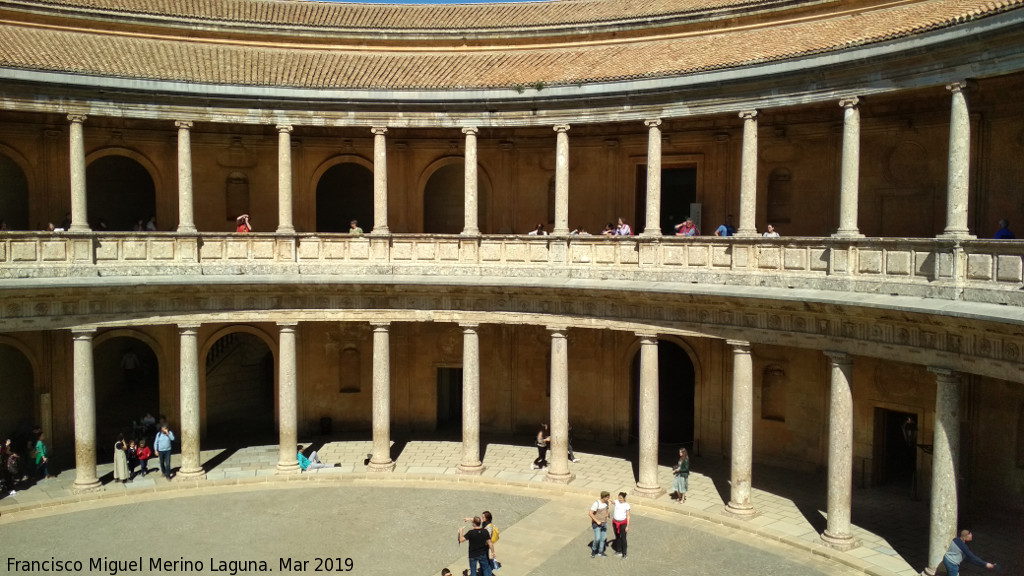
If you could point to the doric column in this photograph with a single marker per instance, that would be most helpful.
(945, 461)
(840, 454)
(648, 482)
(288, 400)
(380, 460)
(849, 185)
(558, 468)
(562, 180)
(748, 176)
(191, 466)
(85, 412)
(380, 181)
(653, 227)
(470, 463)
(959, 173)
(471, 192)
(79, 204)
(186, 219)
(742, 429)
(284, 180)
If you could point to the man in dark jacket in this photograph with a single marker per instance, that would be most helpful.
(958, 552)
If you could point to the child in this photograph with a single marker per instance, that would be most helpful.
(143, 453)
(133, 457)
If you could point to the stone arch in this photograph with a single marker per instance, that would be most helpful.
(122, 188)
(443, 192)
(352, 175)
(238, 384)
(18, 411)
(678, 385)
(15, 186)
(127, 365)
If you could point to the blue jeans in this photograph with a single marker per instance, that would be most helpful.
(600, 534)
(952, 569)
(483, 562)
(165, 464)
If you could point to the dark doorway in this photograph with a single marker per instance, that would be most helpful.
(240, 391)
(895, 448)
(449, 398)
(121, 193)
(13, 195)
(17, 411)
(127, 388)
(344, 193)
(678, 191)
(676, 386)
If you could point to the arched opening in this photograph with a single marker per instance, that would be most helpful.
(676, 387)
(13, 195)
(17, 410)
(240, 390)
(120, 193)
(444, 199)
(344, 193)
(127, 375)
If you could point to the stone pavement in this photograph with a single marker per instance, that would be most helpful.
(785, 515)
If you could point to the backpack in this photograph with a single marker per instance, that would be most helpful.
(14, 464)
(494, 533)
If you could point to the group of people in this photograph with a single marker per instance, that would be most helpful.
(601, 512)
(23, 458)
(688, 228)
(481, 537)
(149, 438)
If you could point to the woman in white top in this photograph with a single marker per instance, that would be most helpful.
(771, 233)
(620, 523)
(623, 229)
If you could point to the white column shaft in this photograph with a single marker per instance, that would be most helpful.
(191, 466)
(742, 429)
(647, 483)
(840, 453)
(380, 181)
(79, 203)
(653, 227)
(748, 176)
(380, 460)
(85, 412)
(287, 399)
(284, 180)
(562, 180)
(958, 177)
(849, 185)
(470, 400)
(558, 467)
(945, 461)
(186, 208)
(471, 191)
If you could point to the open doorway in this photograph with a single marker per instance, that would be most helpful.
(678, 191)
(449, 398)
(676, 390)
(895, 449)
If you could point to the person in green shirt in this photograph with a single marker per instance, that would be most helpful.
(42, 461)
(354, 229)
(682, 471)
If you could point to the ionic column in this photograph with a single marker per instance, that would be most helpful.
(562, 180)
(380, 181)
(85, 412)
(959, 173)
(288, 400)
(380, 460)
(191, 466)
(186, 220)
(653, 227)
(471, 192)
(79, 203)
(748, 176)
(284, 180)
(648, 482)
(470, 463)
(945, 461)
(840, 454)
(742, 429)
(849, 185)
(558, 467)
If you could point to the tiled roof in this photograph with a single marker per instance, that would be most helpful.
(299, 65)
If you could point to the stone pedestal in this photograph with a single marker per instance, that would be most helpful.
(558, 457)
(380, 459)
(191, 467)
(647, 485)
(742, 430)
(470, 463)
(186, 219)
(748, 176)
(945, 461)
(471, 228)
(562, 180)
(85, 412)
(284, 180)
(653, 227)
(837, 534)
(380, 181)
(288, 399)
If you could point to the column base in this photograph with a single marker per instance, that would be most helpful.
(956, 235)
(848, 234)
(196, 474)
(85, 487)
(651, 234)
(745, 233)
(286, 230)
(471, 233)
(929, 571)
(648, 491)
(288, 468)
(388, 466)
(382, 231)
(841, 543)
(471, 469)
(187, 230)
(559, 478)
(743, 512)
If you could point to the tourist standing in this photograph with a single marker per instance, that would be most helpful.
(121, 472)
(162, 448)
(620, 524)
(480, 548)
(682, 472)
(42, 460)
(599, 522)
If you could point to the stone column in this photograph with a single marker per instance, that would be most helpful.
(380, 181)
(840, 454)
(186, 219)
(945, 461)
(79, 204)
(562, 180)
(191, 466)
(287, 400)
(558, 467)
(648, 482)
(742, 429)
(959, 173)
(471, 192)
(85, 412)
(748, 176)
(284, 181)
(470, 463)
(849, 185)
(653, 227)
(380, 460)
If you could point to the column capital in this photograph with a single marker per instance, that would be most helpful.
(653, 122)
(739, 345)
(558, 331)
(470, 130)
(838, 357)
(957, 86)
(560, 128)
(76, 118)
(83, 332)
(469, 326)
(284, 128)
(287, 326)
(186, 124)
(849, 102)
(379, 130)
(647, 337)
(380, 325)
(944, 374)
(748, 114)
(189, 328)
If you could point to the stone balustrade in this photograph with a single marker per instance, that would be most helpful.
(972, 270)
